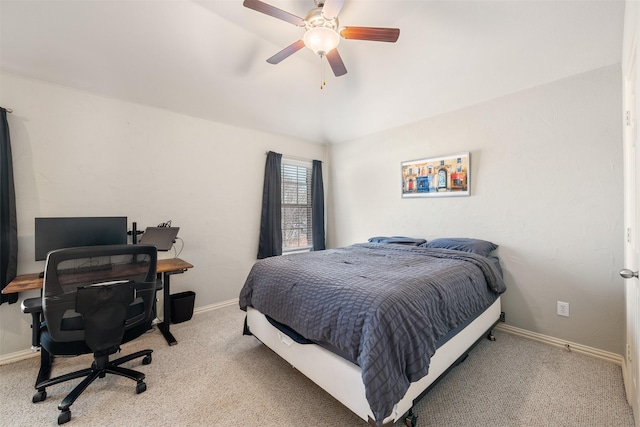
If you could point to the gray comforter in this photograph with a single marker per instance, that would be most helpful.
(383, 306)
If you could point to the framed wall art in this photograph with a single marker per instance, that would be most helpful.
(437, 176)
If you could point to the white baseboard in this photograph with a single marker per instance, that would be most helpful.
(17, 356)
(218, 305)
(26, 354)
(578, 348)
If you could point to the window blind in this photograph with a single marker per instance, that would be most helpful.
(296, 206)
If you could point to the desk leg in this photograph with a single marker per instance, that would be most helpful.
(166, 320)
(35, 331)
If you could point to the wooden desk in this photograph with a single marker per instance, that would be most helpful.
(32, 281)
(165, 268)
(24, 282)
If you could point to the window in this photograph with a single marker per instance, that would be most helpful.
(296, 206)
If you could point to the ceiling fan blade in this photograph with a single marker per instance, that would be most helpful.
(286, 52)
(331, 8)
(371, 33)
(267, 9)
(336, 63)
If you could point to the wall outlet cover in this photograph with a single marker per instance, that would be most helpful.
(563, 309)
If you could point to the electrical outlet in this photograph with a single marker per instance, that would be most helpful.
(563, 309)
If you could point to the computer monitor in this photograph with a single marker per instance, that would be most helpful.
(71, 232)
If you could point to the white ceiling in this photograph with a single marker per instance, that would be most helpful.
(207, 58)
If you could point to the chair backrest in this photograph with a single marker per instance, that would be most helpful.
(94, 268)
(104, 310)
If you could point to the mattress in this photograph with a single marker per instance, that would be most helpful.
(383, 307)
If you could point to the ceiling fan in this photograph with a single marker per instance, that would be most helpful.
(322, 34)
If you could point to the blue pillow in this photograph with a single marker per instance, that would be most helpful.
(475, 246)
(399, 240)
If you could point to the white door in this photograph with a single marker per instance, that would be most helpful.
(632, 238)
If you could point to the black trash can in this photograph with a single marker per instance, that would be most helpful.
(182, 306)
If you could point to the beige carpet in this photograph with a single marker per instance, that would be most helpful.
(217, 377)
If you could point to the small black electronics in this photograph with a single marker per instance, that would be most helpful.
(160, 237)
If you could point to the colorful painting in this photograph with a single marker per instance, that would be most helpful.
(437, 176)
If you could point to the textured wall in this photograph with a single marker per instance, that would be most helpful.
(546, 185)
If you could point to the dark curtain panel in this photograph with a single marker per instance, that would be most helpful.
(8, 223)
(271, 218)
(317, 206)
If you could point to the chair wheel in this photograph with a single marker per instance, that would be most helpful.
(147, 359)
(64, 417)
(39, 396)
(141, 387)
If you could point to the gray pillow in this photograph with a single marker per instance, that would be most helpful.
(475, 246)
(399, 240)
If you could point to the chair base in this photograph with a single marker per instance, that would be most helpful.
(99, 368)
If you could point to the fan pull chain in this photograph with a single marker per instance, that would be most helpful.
(323, 81)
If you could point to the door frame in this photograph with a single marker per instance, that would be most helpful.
(631, 109)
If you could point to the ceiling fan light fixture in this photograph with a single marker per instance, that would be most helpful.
(321, 40)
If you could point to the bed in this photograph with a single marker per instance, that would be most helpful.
(375, 324)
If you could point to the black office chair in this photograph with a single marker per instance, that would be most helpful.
(95, 299)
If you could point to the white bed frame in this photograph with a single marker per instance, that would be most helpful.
(345, 382)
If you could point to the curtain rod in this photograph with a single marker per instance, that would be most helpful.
(8, 110)
(300, 159)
